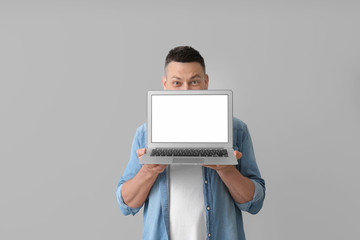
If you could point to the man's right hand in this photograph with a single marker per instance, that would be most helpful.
(150, 168)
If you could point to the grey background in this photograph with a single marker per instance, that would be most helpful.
(74, 77)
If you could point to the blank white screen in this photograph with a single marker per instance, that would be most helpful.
(190, 118)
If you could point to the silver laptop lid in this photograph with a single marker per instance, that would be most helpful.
(190, 118)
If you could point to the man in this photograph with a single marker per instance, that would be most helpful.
(192, 202)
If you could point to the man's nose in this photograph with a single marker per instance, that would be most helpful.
(187, 86)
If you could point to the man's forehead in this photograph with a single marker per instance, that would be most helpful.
(184, 68)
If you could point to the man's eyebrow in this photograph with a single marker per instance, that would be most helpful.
(176, 77)
(196, 76)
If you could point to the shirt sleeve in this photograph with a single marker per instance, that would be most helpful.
(131, 170)
(248, 167)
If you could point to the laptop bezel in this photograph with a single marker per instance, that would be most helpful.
(228, 144)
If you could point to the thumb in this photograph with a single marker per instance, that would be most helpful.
(141, 151)
(238, 154)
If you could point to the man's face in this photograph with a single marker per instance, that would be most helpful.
(185, 76)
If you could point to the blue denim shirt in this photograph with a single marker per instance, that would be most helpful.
(224, 219)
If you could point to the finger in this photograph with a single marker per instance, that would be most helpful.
(141, 152)
(237, 154)
(162, 166)
(157, 166)
(210, 166)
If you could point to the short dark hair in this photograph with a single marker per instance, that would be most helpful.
(184, 54)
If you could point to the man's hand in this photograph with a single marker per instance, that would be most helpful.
(153, 169)
(222, 168)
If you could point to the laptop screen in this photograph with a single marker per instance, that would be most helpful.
(190, 118)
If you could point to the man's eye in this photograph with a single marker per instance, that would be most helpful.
(195, 82)
(176, 83)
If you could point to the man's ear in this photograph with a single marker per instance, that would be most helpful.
(206, 82)
(164, 82)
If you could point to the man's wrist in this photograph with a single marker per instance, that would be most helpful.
(147, 173)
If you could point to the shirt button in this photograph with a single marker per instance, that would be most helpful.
(206, 182)
(208, 208)
(209, 235)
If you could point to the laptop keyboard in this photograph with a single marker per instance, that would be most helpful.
(189, 152)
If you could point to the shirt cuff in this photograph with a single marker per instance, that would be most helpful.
(125, 209)
(257, 196)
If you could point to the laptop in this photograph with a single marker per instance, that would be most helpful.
(189, 127)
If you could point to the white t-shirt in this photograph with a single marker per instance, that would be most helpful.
(187, 209)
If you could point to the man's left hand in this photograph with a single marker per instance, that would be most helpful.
(237, 154)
